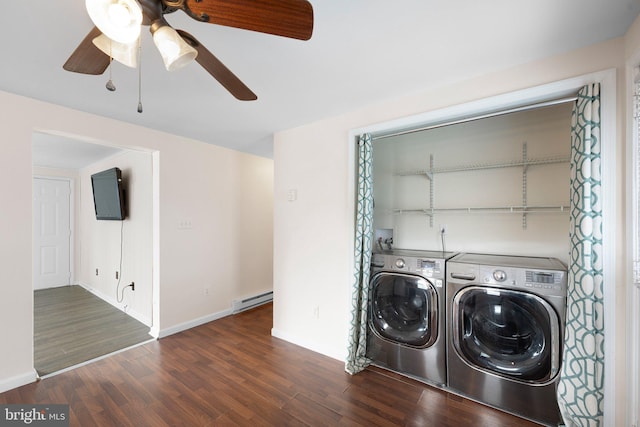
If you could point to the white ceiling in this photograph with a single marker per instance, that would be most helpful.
(361, 52)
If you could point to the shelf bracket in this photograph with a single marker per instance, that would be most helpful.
(524, 185)
(430, 175)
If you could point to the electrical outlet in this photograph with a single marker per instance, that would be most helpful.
(133, 286)
(206, 291)
(117, 275)
(96, 271)
(185, 224)
(443, 229)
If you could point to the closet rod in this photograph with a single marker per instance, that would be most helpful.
(483, 116)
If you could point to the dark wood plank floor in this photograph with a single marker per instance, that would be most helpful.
(233, 372)
(72, 326)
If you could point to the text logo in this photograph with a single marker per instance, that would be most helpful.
(34, 415)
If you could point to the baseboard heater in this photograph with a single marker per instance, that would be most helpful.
(254, 301)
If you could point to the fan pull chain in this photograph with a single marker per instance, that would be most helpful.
(110, 86)
(139, 75)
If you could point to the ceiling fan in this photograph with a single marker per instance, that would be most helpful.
(118, 26)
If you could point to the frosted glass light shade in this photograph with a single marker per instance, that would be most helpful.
(120, 20)
(175, 52)
(124, 53)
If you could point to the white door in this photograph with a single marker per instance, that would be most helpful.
(51, 233)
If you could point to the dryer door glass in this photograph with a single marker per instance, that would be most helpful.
(509, 333)
(403, 309)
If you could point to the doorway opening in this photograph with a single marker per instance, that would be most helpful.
(93, 281)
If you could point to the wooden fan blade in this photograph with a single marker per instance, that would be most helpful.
(286, 18)
(218, 70)
(87, 58)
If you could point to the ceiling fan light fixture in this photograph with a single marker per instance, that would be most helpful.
(119, 20)
(125, 53)
(175, 52)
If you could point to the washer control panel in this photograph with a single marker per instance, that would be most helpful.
(430, 267)
(427, 267)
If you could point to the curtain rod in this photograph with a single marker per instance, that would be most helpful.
(483, 116)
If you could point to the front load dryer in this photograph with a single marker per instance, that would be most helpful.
(406, 317)
(506, 319)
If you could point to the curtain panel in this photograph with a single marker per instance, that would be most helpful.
(357, 345)
(580, 389)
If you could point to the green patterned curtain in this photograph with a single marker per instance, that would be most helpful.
(356, 359)
(580, 390)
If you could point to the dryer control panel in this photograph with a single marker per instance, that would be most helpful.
(547, 282)
(543, 282)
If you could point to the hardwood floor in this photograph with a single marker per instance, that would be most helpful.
(71, 326)
(233, 372)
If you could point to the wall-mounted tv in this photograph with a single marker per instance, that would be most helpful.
(108, 195)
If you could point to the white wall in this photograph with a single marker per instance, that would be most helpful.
(225, 194)
(100, 240)
(16, 292)
(495, 140)
(313, 235)
(227, 197)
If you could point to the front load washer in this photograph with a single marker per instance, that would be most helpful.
(506, 319)
(406, 317)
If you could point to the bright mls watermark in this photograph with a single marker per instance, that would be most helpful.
(34, 415)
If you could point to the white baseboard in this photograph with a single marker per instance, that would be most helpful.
(120, 306)
(155, 332)
(309, 345)
(193, 323)
(18, 381)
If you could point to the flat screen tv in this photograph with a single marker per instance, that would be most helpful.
(108, 195)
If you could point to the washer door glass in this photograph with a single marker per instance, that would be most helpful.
(403, 309)
(509, 333)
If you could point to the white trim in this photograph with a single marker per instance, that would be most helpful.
(155, 269)
(154, 332)
(559, 89)
(608, 133)
(633, 355)
(193, 323)
(72, 232)
(18, 381)
(633, 293)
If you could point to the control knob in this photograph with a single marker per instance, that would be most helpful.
(400, 263)
(500, 275)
